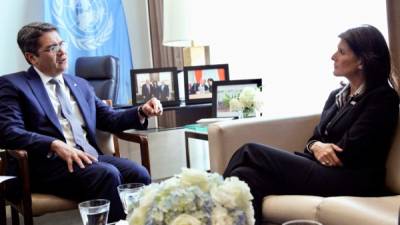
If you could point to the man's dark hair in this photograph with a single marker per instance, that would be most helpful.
(369, 45)
(29, 35)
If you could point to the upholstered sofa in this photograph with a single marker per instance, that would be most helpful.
(292, 134)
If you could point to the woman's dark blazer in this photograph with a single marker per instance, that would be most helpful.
(363, 128)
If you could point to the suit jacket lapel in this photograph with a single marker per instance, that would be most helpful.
(346, 108)
(40, 92)
(80, 99)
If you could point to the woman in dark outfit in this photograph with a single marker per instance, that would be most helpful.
(346, 154)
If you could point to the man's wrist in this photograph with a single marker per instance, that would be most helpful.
(142, 113)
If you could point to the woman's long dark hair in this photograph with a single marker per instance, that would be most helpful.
(369, 45)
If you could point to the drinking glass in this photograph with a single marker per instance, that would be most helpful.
(302, 222)
(128, 193)
(94, 212)
(121, 222)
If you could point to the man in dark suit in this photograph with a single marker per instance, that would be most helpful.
(155, 91)
(147, 90)
(164, 91)
(54, 117)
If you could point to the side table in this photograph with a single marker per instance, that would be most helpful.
(166, 150)
(194, 131)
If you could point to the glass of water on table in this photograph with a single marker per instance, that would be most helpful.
(94, 212)
(128, 193)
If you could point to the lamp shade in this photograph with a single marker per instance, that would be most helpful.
(183, 23)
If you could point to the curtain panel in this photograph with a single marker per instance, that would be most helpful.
(393, 15)
(162, 56)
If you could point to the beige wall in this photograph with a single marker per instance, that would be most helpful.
(16, 13)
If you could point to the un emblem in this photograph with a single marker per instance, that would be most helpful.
(87, 23)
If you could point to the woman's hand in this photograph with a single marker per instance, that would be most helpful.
(325, 153)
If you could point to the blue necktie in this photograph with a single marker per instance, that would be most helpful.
(77, 130)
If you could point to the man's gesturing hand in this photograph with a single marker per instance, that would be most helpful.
(152, 107)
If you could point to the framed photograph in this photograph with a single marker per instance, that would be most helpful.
(161, 83)
(224, 91)
(199, 81)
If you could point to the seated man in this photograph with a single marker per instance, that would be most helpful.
(54, 117)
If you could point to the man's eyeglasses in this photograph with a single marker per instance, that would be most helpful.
(56, 48)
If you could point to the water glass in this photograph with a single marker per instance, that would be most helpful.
(302, 222)
(128, 193)
(121, 222)
(94, 212)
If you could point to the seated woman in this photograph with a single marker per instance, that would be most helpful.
(346, 154)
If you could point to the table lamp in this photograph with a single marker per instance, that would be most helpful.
(184, 27)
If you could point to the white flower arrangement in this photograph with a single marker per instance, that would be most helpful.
(247, 101)
(194, 198)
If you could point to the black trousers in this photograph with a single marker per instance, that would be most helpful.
(269, 171)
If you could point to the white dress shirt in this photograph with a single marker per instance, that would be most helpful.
(51, 91)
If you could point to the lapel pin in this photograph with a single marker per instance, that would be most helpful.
(75, 85)
(353, 102)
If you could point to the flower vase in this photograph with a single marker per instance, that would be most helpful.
(248, 112)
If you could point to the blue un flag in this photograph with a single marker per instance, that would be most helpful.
(94, 28)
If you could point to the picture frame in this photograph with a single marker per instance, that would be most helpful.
(199, 81)
(161, 83)
(230, 88)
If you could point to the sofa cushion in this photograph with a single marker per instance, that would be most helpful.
(333, 210)
(359, 210)
(281, 208)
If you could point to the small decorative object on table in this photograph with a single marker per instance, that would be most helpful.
(248, 102)
(194, 198)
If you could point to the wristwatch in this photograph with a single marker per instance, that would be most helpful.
(141, 112)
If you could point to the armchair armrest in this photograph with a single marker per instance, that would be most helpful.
(105, 142)
(23, 174)
(144, 146)
(2, 189)
(226, 137)
(2, 161)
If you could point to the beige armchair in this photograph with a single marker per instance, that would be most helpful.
(292, 134)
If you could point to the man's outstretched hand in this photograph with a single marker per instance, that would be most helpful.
(152, 107)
